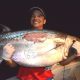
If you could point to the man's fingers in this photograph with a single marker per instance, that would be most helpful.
(9, 48)
(64, 57)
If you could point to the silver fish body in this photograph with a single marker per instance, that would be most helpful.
(35, 44)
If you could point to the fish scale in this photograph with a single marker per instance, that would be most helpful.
(12, 35)
(17, 34)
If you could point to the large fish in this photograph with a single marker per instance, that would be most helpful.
(30, 44)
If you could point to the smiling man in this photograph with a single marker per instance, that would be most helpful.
(37, 21)
(38, 18)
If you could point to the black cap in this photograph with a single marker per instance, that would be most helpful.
(37, 8)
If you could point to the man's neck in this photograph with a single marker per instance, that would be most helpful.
(38, 28)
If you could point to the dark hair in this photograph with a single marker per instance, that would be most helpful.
(4, 29)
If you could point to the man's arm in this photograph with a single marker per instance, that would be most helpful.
(8, 51)
(11, 63)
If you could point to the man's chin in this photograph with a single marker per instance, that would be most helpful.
(36, 26)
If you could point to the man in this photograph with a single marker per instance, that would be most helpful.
(38, 19)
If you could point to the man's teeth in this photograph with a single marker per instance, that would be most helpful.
(35, 22)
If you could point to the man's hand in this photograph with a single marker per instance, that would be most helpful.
(67, 45)
(8, 51)
(76, 45)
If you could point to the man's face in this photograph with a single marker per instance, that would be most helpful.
(37, 19)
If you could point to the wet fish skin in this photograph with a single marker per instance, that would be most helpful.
(16, 39)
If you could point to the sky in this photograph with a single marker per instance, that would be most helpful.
(61, 16)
